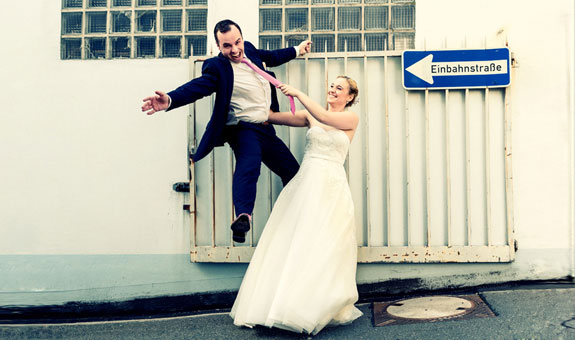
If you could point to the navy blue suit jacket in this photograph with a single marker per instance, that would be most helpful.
(218, 76)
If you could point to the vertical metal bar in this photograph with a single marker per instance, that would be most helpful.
(448, 162)
(233, 213)
(326, 73)
(387, 161)
(407, 167)
(157, 36)
(571, 105)
(192, 195)
(270, 177)
(345, 57)
(133, 22)
(427, 169)
(345, 73)
(250, 234)
(448, 166)
(183, 39)
(83, 44)
(467, 169)
(488, 169)
(366, 134)
(307, 78)
(306, 72)
(213, 175)
(107, 47)
(509, 174)
(390, 36)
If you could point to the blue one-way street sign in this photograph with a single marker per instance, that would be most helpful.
(449, 69)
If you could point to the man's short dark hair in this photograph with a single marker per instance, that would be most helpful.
(223, 27)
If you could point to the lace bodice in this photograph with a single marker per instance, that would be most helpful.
(331, 145)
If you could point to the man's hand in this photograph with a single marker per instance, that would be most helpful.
(153, 104)
(304, 47)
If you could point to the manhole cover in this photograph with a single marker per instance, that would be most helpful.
(429, 309)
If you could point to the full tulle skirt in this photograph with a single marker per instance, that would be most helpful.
(302, 274)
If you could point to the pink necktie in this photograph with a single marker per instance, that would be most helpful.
(271, 79)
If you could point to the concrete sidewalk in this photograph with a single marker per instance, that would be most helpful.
(538, 312)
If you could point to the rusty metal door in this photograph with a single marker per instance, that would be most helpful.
(430, 171)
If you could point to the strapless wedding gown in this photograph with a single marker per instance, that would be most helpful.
(302, 274)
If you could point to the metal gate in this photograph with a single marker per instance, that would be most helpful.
(430, 170)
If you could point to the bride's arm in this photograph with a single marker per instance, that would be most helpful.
(345, 120)
(299, 119)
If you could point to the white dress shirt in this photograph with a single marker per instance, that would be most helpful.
(251, 96)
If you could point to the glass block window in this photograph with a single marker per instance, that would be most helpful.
(171, 2)
(171, 21)
(72, 4)
(402, 17)
(121, 3)
(146, 47)
(323, 19)
(71, 49)
(271, 42)
(296, 19)
(96, 22)
(294, 40)
(97, 3)
(146, 21)
(338, 25)
(323, 43)
(349, 42)
(121, 22)
(146, 2)
(171, 47)
(375, 41)
(71, 23)
(376, 18)
(197, 20)
(115, 29)
(120, 47)
(271, 20)
(95, 48)
(349, 18)
(196, 45)
(402, 41)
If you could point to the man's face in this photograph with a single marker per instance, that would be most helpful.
(231, 44)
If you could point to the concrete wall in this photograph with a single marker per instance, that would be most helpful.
(87, 210)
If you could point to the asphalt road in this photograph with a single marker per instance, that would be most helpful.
(541, 313)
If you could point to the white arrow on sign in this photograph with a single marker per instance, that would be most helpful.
(426, 69)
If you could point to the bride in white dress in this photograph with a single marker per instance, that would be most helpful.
(302, 274)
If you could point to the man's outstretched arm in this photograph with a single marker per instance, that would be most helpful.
(188, 93)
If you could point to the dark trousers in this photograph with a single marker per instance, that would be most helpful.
(253, 144)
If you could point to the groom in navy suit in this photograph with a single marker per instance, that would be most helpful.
(241, 109)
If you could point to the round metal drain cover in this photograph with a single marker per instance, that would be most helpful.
(430, 307)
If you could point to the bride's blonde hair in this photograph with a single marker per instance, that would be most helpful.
(353, 89)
